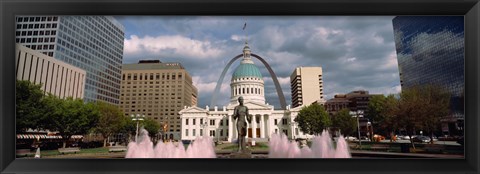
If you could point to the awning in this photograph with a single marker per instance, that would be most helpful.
(44, 136)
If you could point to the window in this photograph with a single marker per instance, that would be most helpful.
(193, 132)
(186, 121)
(212, 133)
(201, 132)
(194, 121)
(212, 122)
(284, 121)
(186, 132)
(275, 122)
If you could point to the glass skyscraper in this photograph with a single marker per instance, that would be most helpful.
(92, 43)
(430, 50)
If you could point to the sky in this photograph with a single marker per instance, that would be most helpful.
(355, 53)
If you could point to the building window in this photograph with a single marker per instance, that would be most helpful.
(193, 132)
(212, 133)
(186, 121)
(201, 132)
(194, 120)
(284, 121)
(212, 122)
(275, 122)
(186, 132)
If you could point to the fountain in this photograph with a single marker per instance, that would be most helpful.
(322, 147)
(203, 147)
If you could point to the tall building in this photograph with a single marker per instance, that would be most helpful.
(307, 86)
(54, 76)
(91, 43)
(157, 90)
(430, 50)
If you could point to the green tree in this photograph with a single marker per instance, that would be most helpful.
(110, 121)
(381, 111)
(29, 104)
(345, 122)
(436, 102)
(409, 111)
(152, 126)
(313, 119)
(70, 116)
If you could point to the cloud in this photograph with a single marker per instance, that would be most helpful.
(354, 52)
(173, 45)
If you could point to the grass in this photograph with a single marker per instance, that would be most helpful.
(258, 146)
(100, 150)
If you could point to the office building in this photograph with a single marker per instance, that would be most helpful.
(54, 76)
(430, 50)
(91, 43)
(307, 86)
(159, 91)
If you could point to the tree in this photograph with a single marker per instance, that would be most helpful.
(436, 102)
(381, 111)
(344, 121)
(152, 126)
(70, 116)
(409, 111)
(313, 119)
(29, 98)
(110, 121)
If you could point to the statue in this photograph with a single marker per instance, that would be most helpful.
(241, 112)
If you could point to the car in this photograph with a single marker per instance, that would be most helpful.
(364, 138)
(461, 140)
(421, 139)
(350, 138)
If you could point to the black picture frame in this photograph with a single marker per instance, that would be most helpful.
(9, 8)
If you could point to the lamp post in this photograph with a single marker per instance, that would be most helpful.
(357, 114)
(137, 118)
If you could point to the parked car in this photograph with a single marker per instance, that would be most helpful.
(364, 138)
(461, 140)
(350, 138)
(422, 139)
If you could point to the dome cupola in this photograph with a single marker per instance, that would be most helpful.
(247, 81)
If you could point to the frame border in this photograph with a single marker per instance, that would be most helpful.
(9, 8)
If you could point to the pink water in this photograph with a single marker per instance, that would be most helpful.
(203, 147)
(322, 147)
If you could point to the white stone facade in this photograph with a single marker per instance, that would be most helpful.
(218, 122)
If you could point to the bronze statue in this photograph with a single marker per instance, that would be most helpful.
(241, 112)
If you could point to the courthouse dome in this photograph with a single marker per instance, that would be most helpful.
(246, 68)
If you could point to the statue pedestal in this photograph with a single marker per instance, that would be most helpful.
(244, 154)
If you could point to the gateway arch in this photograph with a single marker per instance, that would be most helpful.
(281, 97)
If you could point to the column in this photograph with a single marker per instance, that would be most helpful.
(254, 126)
(182, 129)
(230, 131)
(262, 127)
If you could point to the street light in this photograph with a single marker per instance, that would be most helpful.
(358, 113)
(137, 118)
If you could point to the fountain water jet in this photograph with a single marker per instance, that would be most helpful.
(201, 147)
(322, 147)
